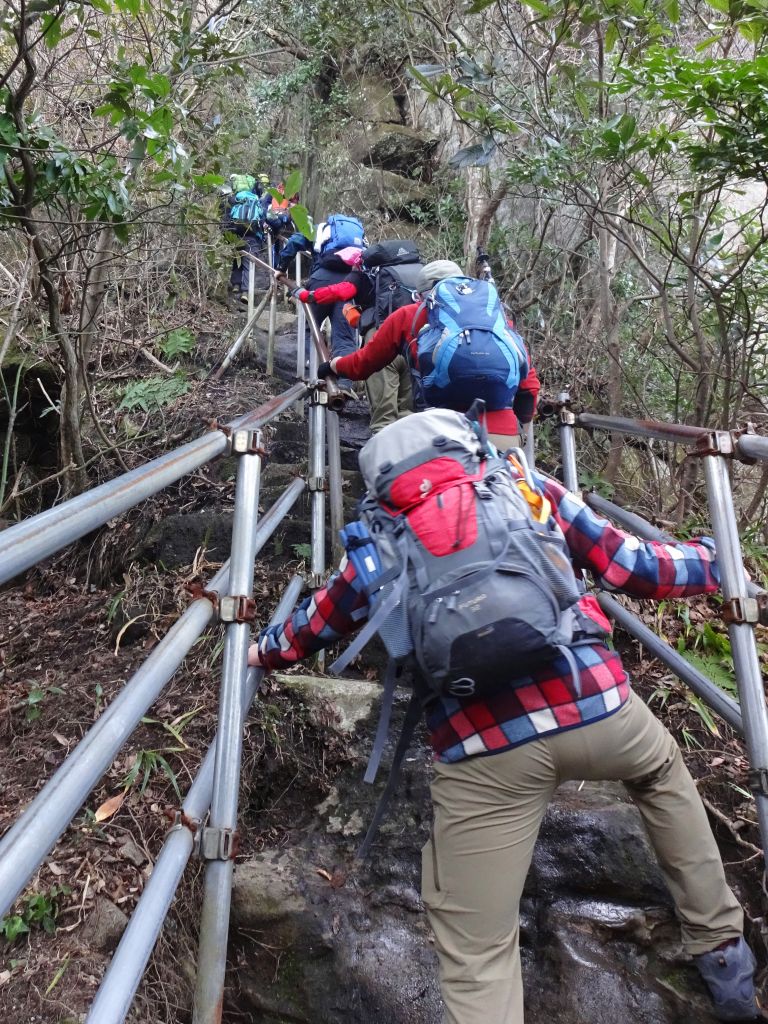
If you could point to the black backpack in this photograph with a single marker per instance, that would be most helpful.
(394, 268)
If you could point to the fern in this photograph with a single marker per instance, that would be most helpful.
(178, 342)
(152, 393)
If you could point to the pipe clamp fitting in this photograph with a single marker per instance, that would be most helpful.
(750, 610)
(245, 442)
(757, 780)
(236, 608)
(217, 843)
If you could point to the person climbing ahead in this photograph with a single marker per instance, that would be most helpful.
(398, 336)
(501, 752)
(243, 213)
(383, 278)
(337, 235)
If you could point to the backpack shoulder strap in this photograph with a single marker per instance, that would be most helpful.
(416, 315)
(395, 592)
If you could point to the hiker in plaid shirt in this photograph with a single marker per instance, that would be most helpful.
(540, 732)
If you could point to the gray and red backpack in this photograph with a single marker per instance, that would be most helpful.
(468, 576)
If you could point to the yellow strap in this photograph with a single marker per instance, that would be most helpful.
(540, 506)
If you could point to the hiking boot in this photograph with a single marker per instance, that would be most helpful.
(729, 974)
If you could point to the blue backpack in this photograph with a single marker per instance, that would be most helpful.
(467, 350)
(249, 210)
(341, 232)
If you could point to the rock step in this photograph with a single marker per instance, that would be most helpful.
(599, 940)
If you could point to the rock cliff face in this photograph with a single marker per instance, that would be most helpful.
(321, 938)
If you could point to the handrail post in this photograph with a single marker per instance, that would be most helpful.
(301, 326)
(740, 625)
(316, 483)
(118, 986)
(272, 306)
(335, 483)
(219, 844)
(568, 442)
(530, 454)
(251, 303)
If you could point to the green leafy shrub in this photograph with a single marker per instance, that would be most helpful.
(38, 910)
(153, 393)
(178, 342)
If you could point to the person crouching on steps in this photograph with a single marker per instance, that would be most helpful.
(499, 758)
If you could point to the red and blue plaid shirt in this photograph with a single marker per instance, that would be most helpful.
(546, 701)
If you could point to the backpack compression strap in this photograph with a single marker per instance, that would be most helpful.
(380, 739)
(412, 716)
(381, 614)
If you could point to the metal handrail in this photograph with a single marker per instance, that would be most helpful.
(118, 987)
(740, 597)
(34, 539)
(28, 841)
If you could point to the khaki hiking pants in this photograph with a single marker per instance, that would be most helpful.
(487, 815)
(389, 394)
(504, 441)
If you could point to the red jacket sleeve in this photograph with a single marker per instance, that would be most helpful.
(526, 398)
(386, 343)
(341, 292)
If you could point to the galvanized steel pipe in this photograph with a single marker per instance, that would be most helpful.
(335, 481)
(220, 370)
(317, 482)
(723, 705)
(679, 433)
(31, 541)
(301, 345)
(214, 922)
(742, 635)
(568, 445)
(251, 290)
(335, 397)
(26, 844)
(627, 520)
(270, 365)
(751, 446)
(118, 987)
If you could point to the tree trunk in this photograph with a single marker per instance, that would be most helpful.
(94, 289)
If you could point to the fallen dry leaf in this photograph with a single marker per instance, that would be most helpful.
(324, 874)
(109, 807)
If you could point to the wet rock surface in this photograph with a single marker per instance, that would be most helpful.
(320, 937)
